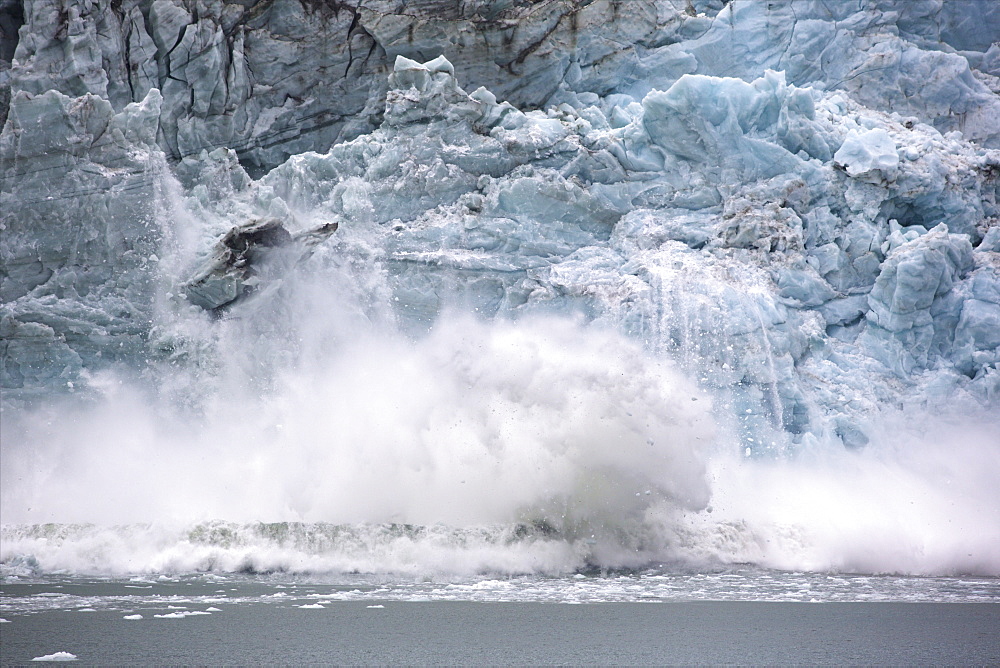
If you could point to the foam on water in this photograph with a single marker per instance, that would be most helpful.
(193, 596)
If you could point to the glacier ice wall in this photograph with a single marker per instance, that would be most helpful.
(750, 229)
(796, 203)
(80, 234)
(822, 227)
(274, 78)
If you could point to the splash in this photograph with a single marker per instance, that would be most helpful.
(536, 446)
(918, 500)
(542, 421)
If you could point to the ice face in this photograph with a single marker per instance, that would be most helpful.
(794, 205)
(652, 211)
(80, 234)
(743, 228)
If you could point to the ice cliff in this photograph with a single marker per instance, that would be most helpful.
(273, 78)
(795, 200)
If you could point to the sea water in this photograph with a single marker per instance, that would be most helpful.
(651, 617)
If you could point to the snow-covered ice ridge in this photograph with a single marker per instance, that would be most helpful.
(758, 190)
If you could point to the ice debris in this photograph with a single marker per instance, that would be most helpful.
(181, 614)
(243, 257)
(57, 656)
(869, 155)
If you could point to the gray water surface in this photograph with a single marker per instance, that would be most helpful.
(747, 616)
(350, 632)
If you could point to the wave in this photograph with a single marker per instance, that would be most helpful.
(286, 547)
(846, 512)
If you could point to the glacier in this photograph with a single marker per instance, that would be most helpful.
(613, 269)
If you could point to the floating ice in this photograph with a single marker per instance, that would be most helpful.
(181, 614)
(58, 656)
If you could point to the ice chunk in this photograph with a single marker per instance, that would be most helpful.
(802, 287)
(870, 156)
(913, 308)
(181, 614)
(426, 92)
(991, 240)
(247, 256)
(914, 275)
(58, 656)
(713, 119)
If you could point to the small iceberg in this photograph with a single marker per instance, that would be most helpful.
(180, 614)
(58, 656)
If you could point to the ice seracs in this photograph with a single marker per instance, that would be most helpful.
(748, 228)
